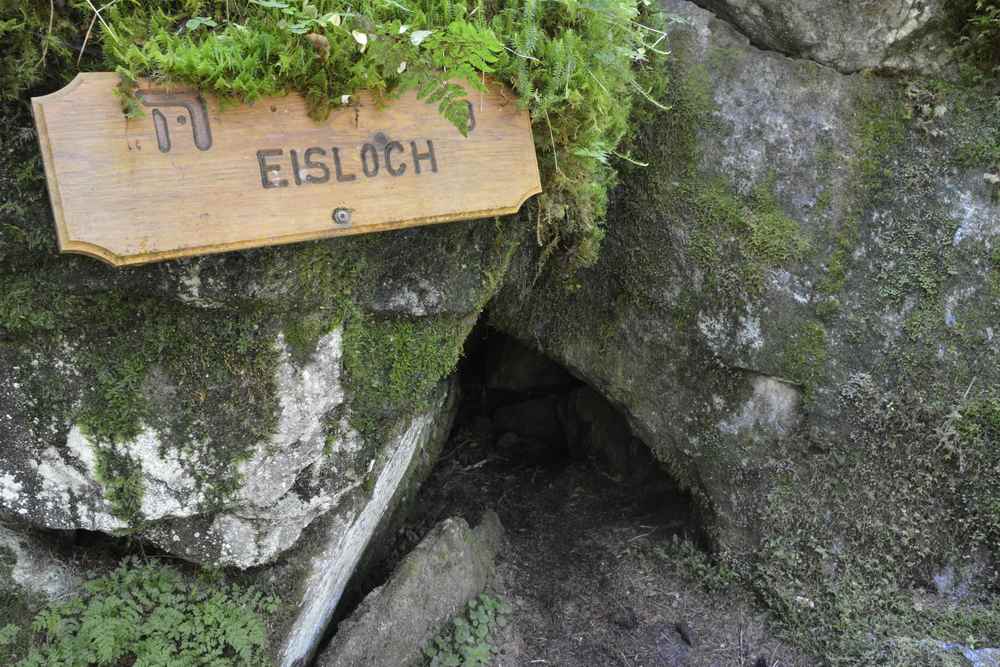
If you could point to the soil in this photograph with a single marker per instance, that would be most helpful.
(588, 569)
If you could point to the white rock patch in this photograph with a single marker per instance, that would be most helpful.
(773, 409)
(306, 396)
(10, 489)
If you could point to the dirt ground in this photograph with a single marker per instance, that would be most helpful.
(588, 570)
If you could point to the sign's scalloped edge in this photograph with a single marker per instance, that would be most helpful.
(48, 163)
(69, 88)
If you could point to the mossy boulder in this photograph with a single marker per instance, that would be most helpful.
(796, 307)
(880, 34)
(216, 406)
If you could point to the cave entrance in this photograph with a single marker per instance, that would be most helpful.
(588, 512)
(528, 424)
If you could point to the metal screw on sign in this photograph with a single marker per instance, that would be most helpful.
(342, 217)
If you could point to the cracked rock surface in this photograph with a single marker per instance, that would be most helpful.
(899, 35)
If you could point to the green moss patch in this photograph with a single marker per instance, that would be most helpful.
(736, 240)
(121, 478)
(391, 364)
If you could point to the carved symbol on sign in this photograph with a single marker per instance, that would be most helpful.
(190, 102)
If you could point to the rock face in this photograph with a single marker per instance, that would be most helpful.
(260, 409)
(516, 368)
(903, 35)
(447, 569)
(64, 487)
(32, 568)
(595, 431)
(218, 413)
(791, 300)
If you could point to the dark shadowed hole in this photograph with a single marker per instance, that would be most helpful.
(584, 503)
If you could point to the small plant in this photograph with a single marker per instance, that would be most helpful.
(696, 565)
(980, 38)
(150, 615)
(467, 640)
(8, 641)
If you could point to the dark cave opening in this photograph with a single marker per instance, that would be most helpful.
(577, 493)
(523, 410)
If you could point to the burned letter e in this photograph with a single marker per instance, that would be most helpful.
(269, 172)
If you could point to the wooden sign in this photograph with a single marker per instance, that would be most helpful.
(191, 178)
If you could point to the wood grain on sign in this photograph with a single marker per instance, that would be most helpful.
(191, 178)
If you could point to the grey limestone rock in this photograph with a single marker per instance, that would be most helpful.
(447, 569)
(901, 35)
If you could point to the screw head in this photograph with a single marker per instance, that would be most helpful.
(342, 216)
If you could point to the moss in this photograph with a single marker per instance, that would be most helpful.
(392, 364)
(908, 652)
(907, 493)
(737, 240)
(121, 478)
(879, 131)
(37, 45)
(725, 59)
(775, 239)
(880, 128)
(324, 279)
(835, 274)
(972, 434)
(979, 151)
(805, 355)
(115, 408)
(995, 271)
